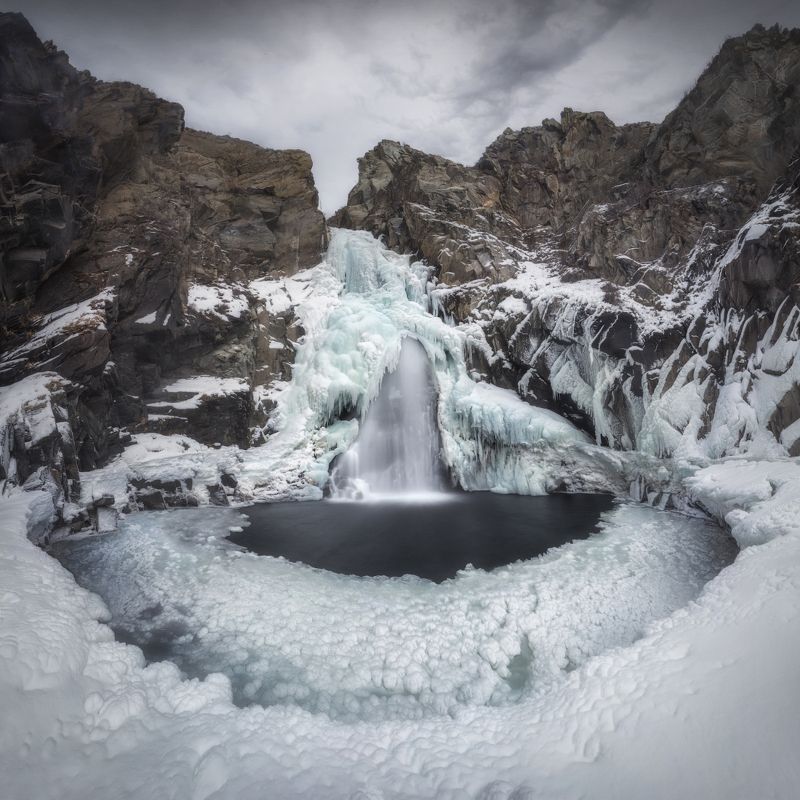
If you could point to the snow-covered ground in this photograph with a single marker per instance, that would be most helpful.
(705, 704)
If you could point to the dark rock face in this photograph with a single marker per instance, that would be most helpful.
(741, 118)
(663, 261)
(762, 268)
(146, 233)
(549, 173)
(422, 203)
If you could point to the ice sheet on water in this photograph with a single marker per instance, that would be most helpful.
(379, 648)
(85, 717)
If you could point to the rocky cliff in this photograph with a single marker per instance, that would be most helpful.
(612, 268)
(641, 279)
(126, 242)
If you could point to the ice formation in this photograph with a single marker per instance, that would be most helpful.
(690, 690)
(357, 308)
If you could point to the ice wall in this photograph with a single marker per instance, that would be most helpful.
(357, 308)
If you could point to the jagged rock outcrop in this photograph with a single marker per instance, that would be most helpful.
(126, 243)
(426, 204)
(762, 269)
(550, 173)
(742, 117)
(613, 199)
(654, 281)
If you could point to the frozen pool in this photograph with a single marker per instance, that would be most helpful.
(399, 647)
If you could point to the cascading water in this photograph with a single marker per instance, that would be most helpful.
(398, 447)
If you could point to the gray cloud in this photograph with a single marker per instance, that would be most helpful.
(335, 77)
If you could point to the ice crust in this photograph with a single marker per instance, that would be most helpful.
(358, 648)
(711, 688)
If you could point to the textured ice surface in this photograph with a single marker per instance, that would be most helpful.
(703, 705)
(378, 648)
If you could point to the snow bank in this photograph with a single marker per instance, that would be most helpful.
(711, 689)
(758, 500)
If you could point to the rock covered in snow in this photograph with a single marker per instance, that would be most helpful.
(613, 274)
(129, 243)
(37, 446)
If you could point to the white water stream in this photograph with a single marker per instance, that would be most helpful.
(398, 447)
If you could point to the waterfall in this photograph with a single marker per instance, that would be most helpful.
(398, 447)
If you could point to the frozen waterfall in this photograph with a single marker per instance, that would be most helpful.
(382, 388)
(398, 447)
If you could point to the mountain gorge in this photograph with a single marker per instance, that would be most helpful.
(545, 410)
(640, 280)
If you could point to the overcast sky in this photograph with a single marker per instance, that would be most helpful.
(335, 77)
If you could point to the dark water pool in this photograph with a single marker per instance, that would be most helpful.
(360, 649)
(433, 540)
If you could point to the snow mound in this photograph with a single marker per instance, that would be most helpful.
(710, 688)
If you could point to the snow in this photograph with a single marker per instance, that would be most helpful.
(778, 211)
(752, 386)
(199, 388)
(158, 457)
(758, 500)
(223, 301)
(592, 671)
(702, 704)
(69, 321)
(29, 398)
